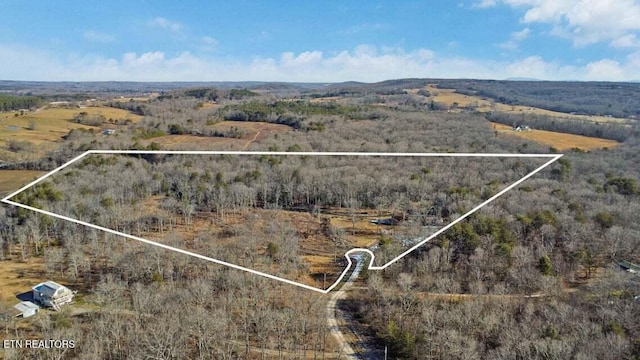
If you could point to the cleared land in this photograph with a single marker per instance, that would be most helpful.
(249, 132)
(39, 131)
(557, 140)
(19, 276)
(195, 142)
(137, 98)
(12, 180)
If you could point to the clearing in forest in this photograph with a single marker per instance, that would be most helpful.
(454, 100)
(292, 217)
(559, 141)
(231, 135)
(30, 134)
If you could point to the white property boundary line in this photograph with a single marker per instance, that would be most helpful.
(552, 157)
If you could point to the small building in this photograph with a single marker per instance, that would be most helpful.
(108, 132)
(27, 309)
(521, 128)
(52, 294)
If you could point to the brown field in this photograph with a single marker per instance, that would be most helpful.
(557, 140)
(12, 180)
(209, 105)
(137, 98)
(449, 97)
(194, 142)
(252, 132)
(19, 276)
(50, 125)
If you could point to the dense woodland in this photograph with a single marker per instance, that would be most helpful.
(9, 103)
(466, 295)
(593, 98)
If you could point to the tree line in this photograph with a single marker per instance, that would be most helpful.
(11, 102)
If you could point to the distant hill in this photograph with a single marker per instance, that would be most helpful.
(588, 98)
(617, 99)
(130, 87)
(521, 79)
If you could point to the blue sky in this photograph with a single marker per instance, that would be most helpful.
(319, 41)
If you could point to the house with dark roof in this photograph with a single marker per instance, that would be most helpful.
(52, 294)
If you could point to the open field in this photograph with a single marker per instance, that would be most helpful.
(19, 276)
(450, 98)
(209, 105)
(43, 128)
(251, 127)
(12, 180)
(195, 142)
(557, 140)
(251, 132)
(137, 98)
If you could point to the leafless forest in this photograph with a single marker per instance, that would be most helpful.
(532, 275)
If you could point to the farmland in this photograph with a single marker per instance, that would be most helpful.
(43, 130)
(452, 99)
(559, 141)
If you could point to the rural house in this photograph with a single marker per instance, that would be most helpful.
(52, 294)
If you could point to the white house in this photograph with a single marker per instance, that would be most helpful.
(52, 294)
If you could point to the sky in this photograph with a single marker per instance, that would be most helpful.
(319, 41)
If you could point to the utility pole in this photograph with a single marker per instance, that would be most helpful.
(385, 353)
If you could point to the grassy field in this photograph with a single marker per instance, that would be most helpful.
(557, 140)
(19, 276)
(449, 97)
(137, 98)
(40, 130)
(12, 180)
(251, 132)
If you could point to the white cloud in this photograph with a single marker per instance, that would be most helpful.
(482, 4)
(99, 37)
(514, 39)
(363, 63)
(208, 44)
(584, 22)
(521, 35)
(537, 68)
(626, 41)
(605, 68)
(164, 23)
(131, 60)
(304, 59)
(209, 40)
